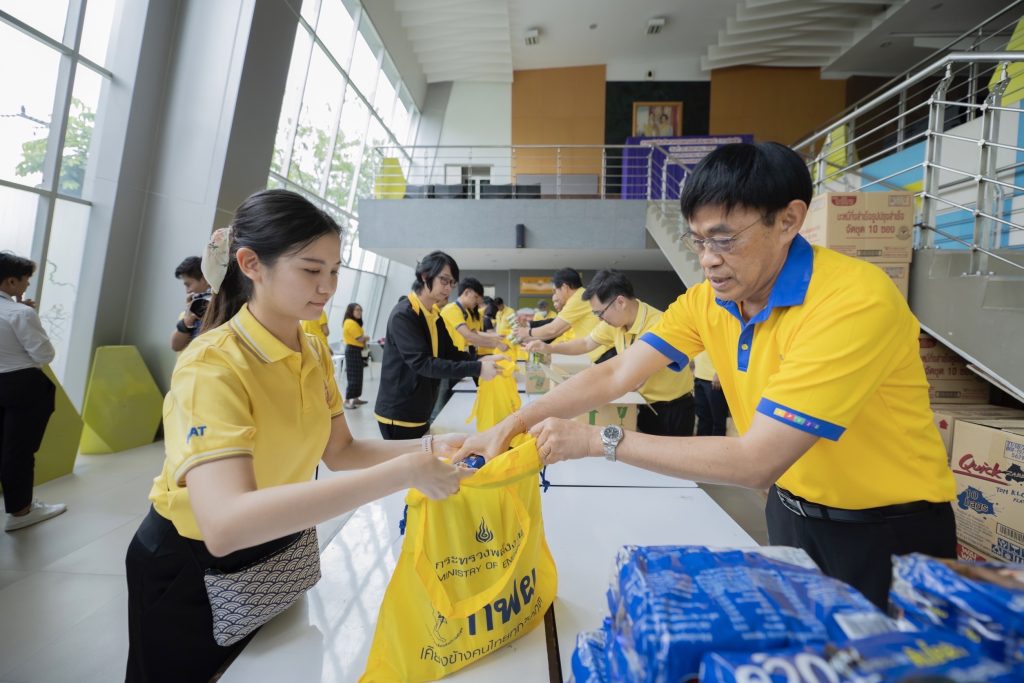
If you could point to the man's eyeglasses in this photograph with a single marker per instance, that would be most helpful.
(716, 245)
(600, 314)
(446, 281)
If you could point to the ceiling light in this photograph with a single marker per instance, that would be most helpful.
(654, 25)
(532, 36)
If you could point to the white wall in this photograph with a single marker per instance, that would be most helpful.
(397, 283)
(664, 70)
(477, 114)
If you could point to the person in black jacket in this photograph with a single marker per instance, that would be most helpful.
(418, 352)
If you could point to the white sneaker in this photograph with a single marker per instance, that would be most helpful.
(39, 512)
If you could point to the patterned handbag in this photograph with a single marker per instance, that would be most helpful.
(244, 600)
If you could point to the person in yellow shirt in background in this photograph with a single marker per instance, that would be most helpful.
(504, 316)
(623, 319)
(465, 323)
(542, 312)
(818, 356)
(573, 313)
(252, 408)
(355, 341)
(709, 399)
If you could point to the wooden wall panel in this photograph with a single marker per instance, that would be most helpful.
(558, 107)
(773, 103)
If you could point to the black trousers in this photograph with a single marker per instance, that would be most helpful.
(669, 418)
(861, 554)
(26, 403)
(712, 410)
(353, 372)
(396, 433)
(170, 624)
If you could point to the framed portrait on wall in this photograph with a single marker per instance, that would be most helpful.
(535, 286)
(657, 119)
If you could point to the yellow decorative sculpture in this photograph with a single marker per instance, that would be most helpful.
(122, 402)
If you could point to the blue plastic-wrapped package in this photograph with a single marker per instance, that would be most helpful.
(981, 601)
(891, 657)
(672, 604)
(588, 659)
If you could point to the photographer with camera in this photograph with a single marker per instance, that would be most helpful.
(197, 297)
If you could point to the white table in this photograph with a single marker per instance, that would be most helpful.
(586, 526)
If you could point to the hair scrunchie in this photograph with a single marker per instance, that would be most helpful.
(215, 257)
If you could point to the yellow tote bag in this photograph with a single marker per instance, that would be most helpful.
(474, 574)
(496, 398)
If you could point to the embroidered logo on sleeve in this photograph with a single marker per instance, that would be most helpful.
(199, 430)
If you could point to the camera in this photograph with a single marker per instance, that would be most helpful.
(199, 303)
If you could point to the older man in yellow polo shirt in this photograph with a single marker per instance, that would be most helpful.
(818, 356)
(623, 320)
(573, 314)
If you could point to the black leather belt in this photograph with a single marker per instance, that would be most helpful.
(803, 508)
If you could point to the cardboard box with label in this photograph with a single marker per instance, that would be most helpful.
(965, 390)
(949, 378)
(988, 466)
(622, 414)
(872, 225)
(946, 417)
(898, 272)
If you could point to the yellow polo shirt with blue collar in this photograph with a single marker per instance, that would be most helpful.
(665, 384)
(578, 314)
(237, 390)
(835, 354)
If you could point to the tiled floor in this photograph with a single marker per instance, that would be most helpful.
(62, 589)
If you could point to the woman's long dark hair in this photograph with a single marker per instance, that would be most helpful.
(273, 223)
(350, 312)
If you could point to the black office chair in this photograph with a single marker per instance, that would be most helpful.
(496, 192)
(419, 191)
(449, 192)
(527, 191)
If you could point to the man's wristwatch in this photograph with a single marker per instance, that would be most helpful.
(610, 437)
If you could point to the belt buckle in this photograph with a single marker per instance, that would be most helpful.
(792, 504)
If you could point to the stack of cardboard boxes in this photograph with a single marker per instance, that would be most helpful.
(985, 447)
(877, 227)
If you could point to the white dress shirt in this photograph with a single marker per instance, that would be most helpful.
(23, 341)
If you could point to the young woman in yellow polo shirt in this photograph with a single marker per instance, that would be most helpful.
(355, 341)
(252, 408)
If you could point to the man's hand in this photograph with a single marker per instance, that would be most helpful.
(496, 341)
(489, 367)
(559, 439)
(189, 318)
(538, 346)
(28, 302)
(447, 445)
(489, 444)
(522, 334)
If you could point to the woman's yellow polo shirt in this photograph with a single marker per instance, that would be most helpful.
(239, 391)
(351, 331)
(835, 354)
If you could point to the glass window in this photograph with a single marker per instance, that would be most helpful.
(26, 105)
(292, 99)
(47, 16)
(364, 57)
(18, 211)
(375, 136)
(62, 274)
(384, 95)
(99, 20)
(317, 119)
(336, 28)
(347, 148)
(310, 10)
(85, 99)
(399, 123)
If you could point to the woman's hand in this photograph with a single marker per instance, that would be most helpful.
(559, 439)
(489, 444)
(538, 346)
(433, 477)
(489, 367)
